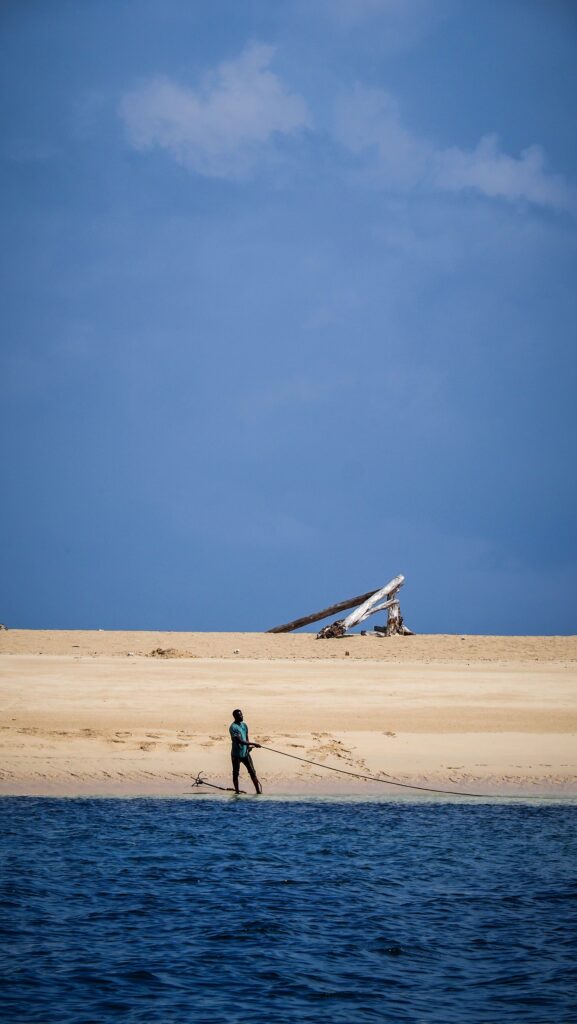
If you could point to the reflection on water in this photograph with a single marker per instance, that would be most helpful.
(224, 910)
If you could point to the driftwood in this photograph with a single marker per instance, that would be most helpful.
(334, 631)
(374, 603)
(394, 624)
(334, 609)
(371, 605)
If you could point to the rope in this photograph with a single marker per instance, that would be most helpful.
(394, 782)
(199, 781)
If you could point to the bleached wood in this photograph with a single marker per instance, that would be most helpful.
(374, 611)
(333, 609)
(365, 609)
(395, 624)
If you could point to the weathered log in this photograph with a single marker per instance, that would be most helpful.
(395, 624)
(332, 631)
(374, 611)
(372, 602)
(334, 609)
(394, 619)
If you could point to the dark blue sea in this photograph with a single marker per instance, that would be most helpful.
(208, 910)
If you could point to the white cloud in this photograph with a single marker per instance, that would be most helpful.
(369, 124)
(224, 127)
(496, 174)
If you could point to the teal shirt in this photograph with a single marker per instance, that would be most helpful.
(239, 730)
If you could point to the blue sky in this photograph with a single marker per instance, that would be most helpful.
(289, 307)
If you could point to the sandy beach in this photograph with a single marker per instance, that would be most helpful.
(132, 713)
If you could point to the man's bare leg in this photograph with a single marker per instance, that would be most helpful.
(255, 782)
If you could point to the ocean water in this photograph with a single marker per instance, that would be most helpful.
(208, 910)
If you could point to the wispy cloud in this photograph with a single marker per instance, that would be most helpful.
(369, 124)
(223, 128)
(235, 119)
(496, 174)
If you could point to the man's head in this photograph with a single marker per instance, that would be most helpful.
(237, 715)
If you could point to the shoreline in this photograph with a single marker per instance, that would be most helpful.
(86, 715)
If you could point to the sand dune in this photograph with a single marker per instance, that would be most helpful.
(90, 712)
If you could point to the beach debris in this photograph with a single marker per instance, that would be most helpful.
(236, 651)
(168, 652)
(333, 609)
(332, 632)
(364, 605)
(381, 600)
(165, 652)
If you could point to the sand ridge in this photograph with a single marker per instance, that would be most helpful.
(272, 647)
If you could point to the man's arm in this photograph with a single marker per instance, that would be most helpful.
(239, 741)
(250, 745)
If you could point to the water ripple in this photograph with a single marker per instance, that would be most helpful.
(170, 911)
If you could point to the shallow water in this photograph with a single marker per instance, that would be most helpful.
(214, 911)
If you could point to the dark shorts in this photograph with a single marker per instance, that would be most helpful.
(246, 761)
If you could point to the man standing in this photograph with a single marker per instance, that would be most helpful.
(240, 751)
